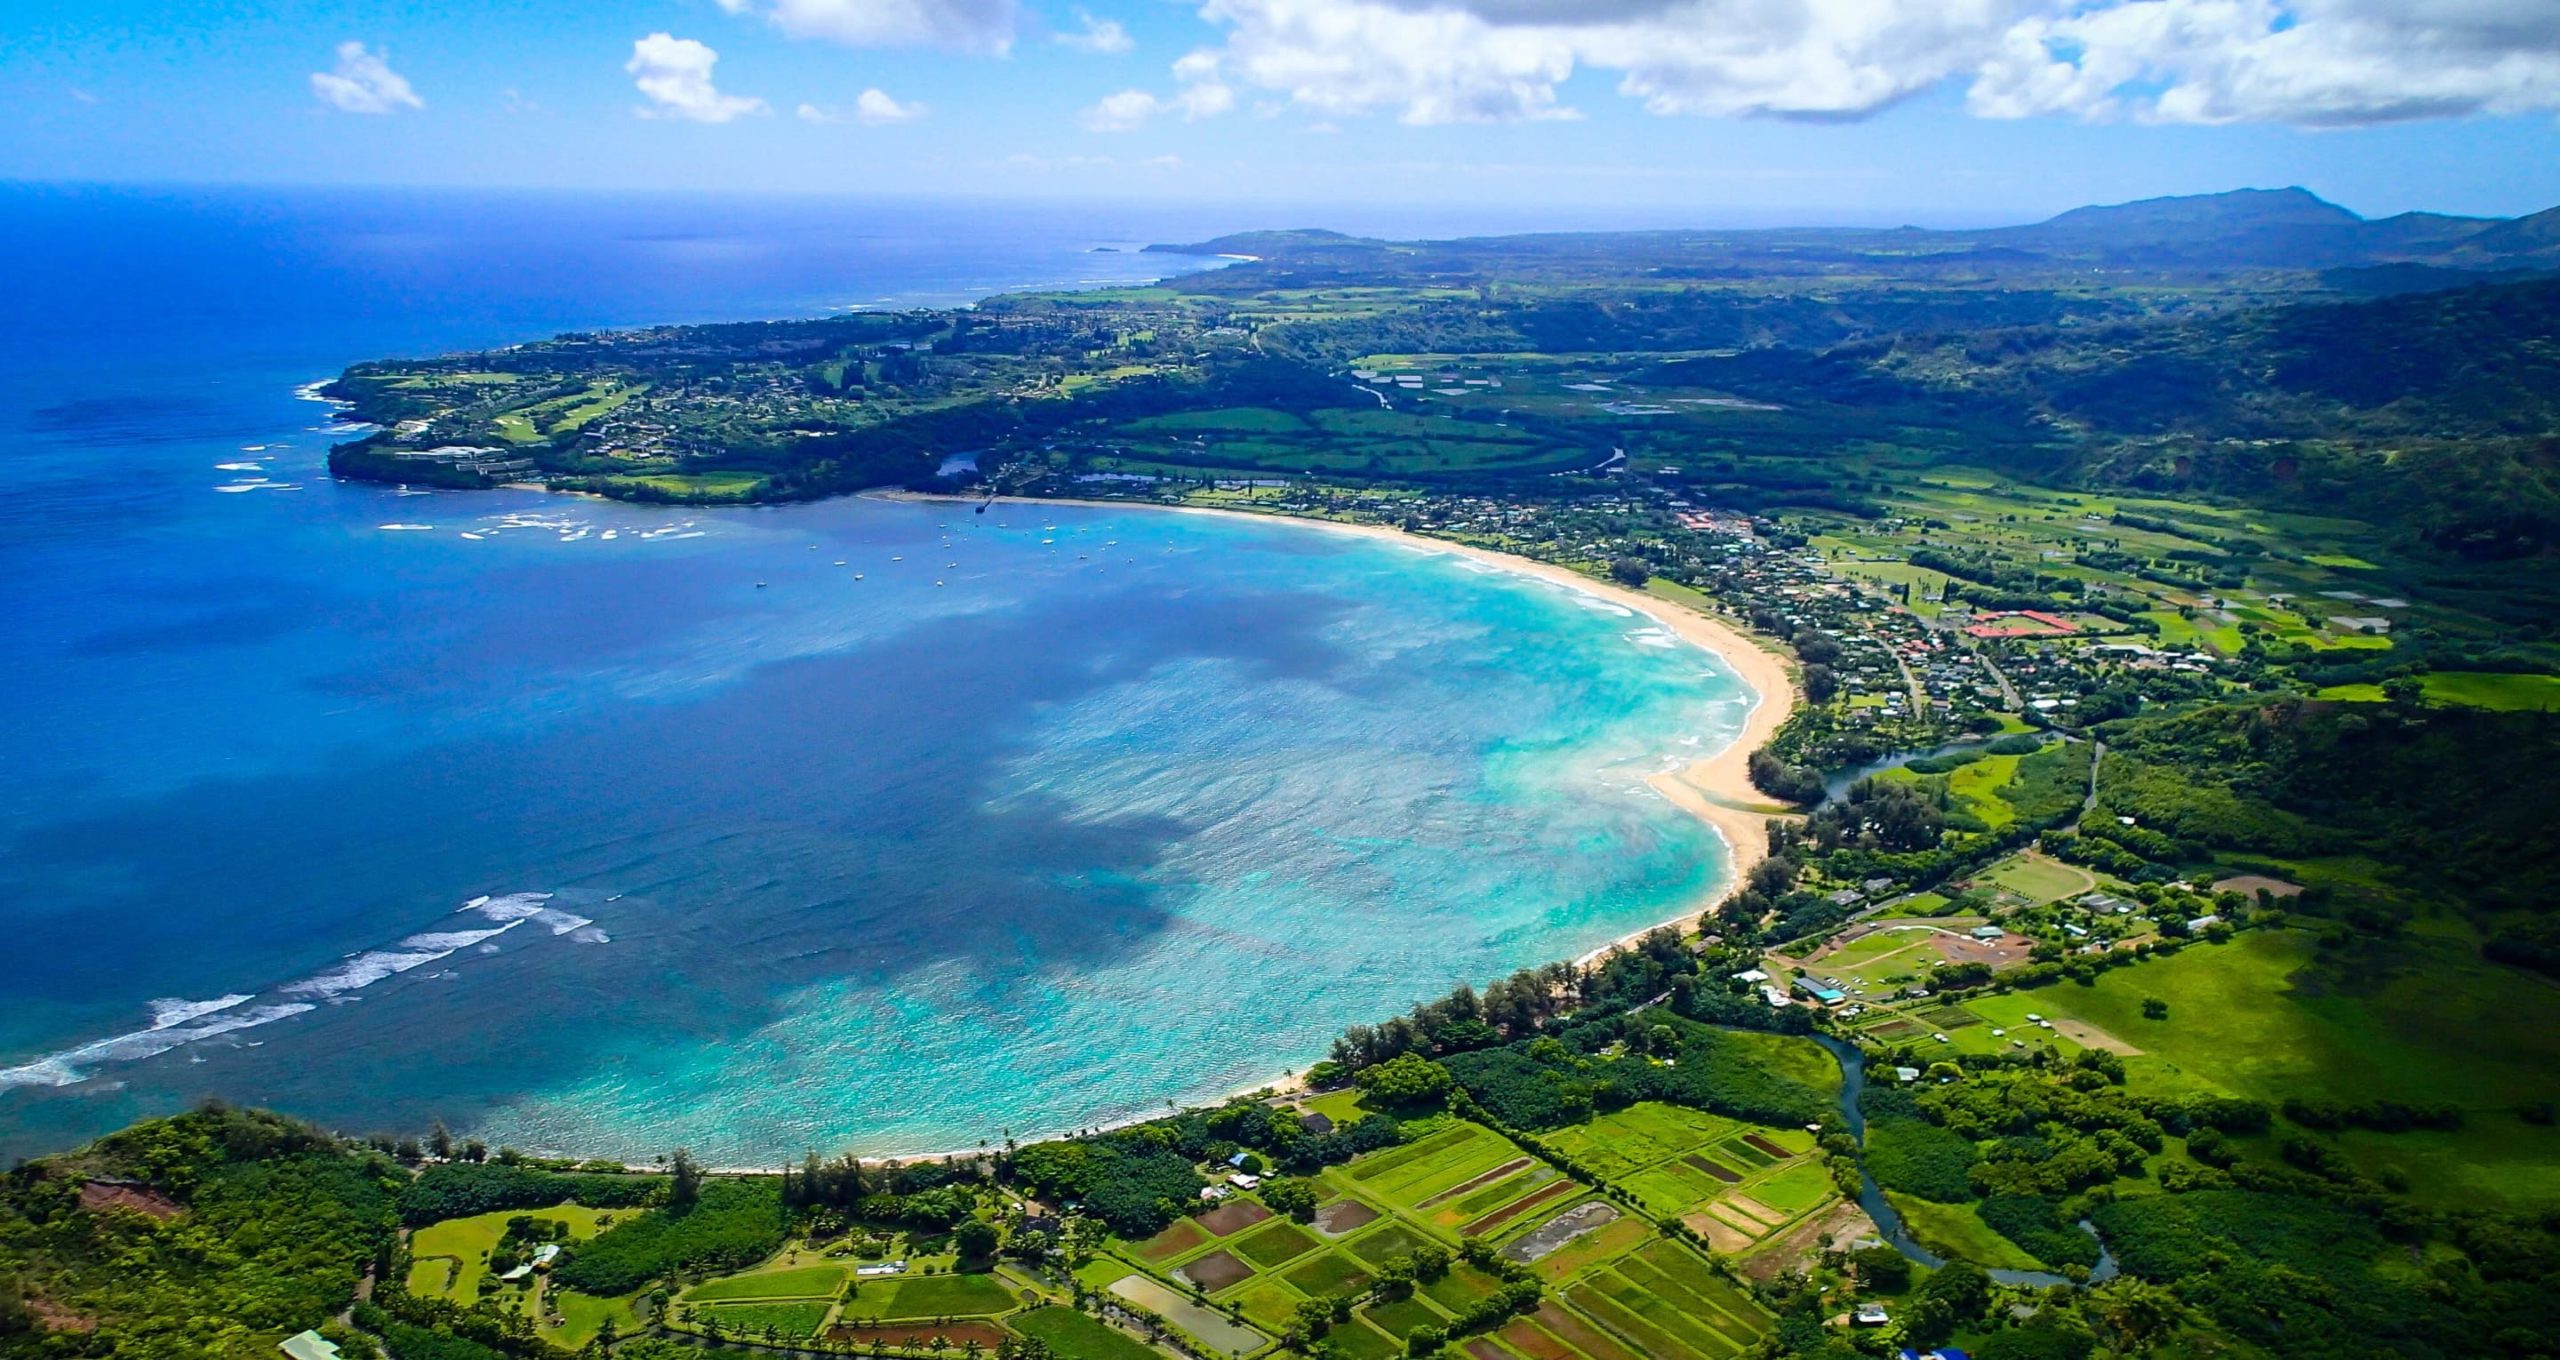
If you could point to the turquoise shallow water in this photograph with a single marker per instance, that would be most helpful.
(605, 829)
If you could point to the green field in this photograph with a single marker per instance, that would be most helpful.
(1071, 1335)
(2040, 880)
(802, 1282)
(798, 1318)
(450, 1258)
(930, 1296)
(2420, 1018)
(2472, 689)
(1955, 1230)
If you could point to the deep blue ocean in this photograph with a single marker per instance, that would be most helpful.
(606, 829)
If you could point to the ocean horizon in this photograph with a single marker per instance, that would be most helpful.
(601, 828)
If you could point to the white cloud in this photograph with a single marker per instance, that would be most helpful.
(1204, 93)
(1126, 111)
(2317, 63)
(675, 75)
(1129, 110)
(364, 83)
(1096, 35)
(2312, 62)
(876, 109)
(982, 26)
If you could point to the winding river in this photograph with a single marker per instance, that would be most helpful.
(1853, 1084)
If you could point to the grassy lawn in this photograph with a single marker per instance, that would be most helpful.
(1978, 786)
(1955, 1230)
(804, 1282)
(2418, 1018)
(704, 485)
(2040, 879)
(1071, 1335)
(584, 1315)
(928, 1296)
(466, 1243)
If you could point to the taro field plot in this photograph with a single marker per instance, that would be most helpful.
(1736, 1184)
(1255, 1268)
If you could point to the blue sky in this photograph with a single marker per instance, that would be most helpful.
(1575, 112)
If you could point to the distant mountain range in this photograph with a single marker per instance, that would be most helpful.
(2280, 229)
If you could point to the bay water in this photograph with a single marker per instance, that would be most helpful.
(606, 829)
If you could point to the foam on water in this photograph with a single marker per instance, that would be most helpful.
(176, 1021)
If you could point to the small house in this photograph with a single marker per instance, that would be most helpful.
(1986, 932)
(1871, 1314)
(309, 1346)
(1315, 1123)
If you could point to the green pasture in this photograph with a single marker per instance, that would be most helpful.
(458, 1248)
(696, 485)
(2469, 689)
(1956, 1231)
(799, 1282)
(1071, 1335)
(2417, 1019)
(2041, 879)
(1977, 786)
(903, 1297)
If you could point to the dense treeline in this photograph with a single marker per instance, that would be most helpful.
(459, 1189)
(2429, 789)
(733, 1222)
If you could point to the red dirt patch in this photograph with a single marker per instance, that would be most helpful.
(1214, 1271)
(2253, 884)
(1573, 1332)
(1234, 1216)
(1344, 1215)
(1999, 953)
(1524, 1336)
(1486, 1350)
(98, 1196)
(1172, 1242)
(1766, 1146)
(53, 1317)
(1553, 1190)
(986, 1334)
(1480, 1182)
(1716, 1169)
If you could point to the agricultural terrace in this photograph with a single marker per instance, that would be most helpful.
(1473, 1207)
